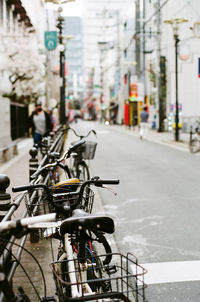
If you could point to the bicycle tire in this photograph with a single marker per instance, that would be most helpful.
(82, 171)
(194, 145)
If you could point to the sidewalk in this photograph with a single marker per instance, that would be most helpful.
(43, 249)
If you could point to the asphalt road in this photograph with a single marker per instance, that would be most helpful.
(156, 209)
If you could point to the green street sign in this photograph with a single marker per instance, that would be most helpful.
(50, 39)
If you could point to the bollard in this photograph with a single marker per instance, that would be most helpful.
(51, 134)
(33, 166)
(191, 132)
(4, 197)
(5, 203)
(33, 161)
(44, 146)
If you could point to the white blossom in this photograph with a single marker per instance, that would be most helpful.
(22, 58)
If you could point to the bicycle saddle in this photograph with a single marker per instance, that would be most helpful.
(83, 221)
(69, 185)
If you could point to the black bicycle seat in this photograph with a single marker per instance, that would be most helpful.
(87, 222)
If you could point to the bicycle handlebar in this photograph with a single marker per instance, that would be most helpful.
(66, 154)
(83, 136)
(98, 183)
(61, 208)
(24, 222)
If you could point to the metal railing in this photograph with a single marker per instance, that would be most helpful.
(8, 265)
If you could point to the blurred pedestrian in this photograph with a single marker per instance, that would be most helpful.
(144, 115)
(53, 119)
(40, 124)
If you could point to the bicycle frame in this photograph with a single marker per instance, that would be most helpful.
(77, 291)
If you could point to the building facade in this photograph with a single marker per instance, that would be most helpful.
(102, 28)
(22, 25)
(74, 56)
(143, 46)
(161, 35)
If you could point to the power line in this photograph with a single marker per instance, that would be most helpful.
(156, 12)
(147, 21)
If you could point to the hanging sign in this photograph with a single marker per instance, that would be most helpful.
(50, 39)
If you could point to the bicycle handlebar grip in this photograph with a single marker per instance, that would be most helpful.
(94, 132)
(31, 187)
(23, 188)
(107, 182)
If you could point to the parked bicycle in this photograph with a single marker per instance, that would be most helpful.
(81, 273)
(51, 168)
(194, 143)
(79, 165)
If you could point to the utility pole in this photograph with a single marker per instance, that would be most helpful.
(62, 115)
(159, 94)
(175, 26)
(138, 39)
(144, 54)
(176, 39)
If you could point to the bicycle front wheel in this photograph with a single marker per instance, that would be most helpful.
(194, 145)
(82, 171)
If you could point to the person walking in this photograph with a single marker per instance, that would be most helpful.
(53, 119)
(40, 123)
(144, 115)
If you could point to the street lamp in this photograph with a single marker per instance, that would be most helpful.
(175, 23)
(62, 67)
(60, 21)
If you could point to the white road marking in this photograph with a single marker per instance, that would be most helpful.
(170, 272)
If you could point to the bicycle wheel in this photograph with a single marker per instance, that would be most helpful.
(95, 273)
(194, 145)
(82, 171)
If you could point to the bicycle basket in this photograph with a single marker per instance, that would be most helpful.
(90, 148)
(37, 203)
(87, 150)
(71, 197)
(123, 279)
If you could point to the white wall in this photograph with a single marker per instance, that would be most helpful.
(36, 11)
(189, 83)
(4, 122)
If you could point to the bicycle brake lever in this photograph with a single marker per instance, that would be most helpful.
(109, 189)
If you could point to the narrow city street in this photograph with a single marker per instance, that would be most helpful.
(129, 69)
(156, 209)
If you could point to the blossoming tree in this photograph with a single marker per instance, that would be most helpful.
(25, 64)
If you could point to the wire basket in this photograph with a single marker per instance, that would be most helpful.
(71, 197)
(37, 202)
(122, 280)
(87, 150)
